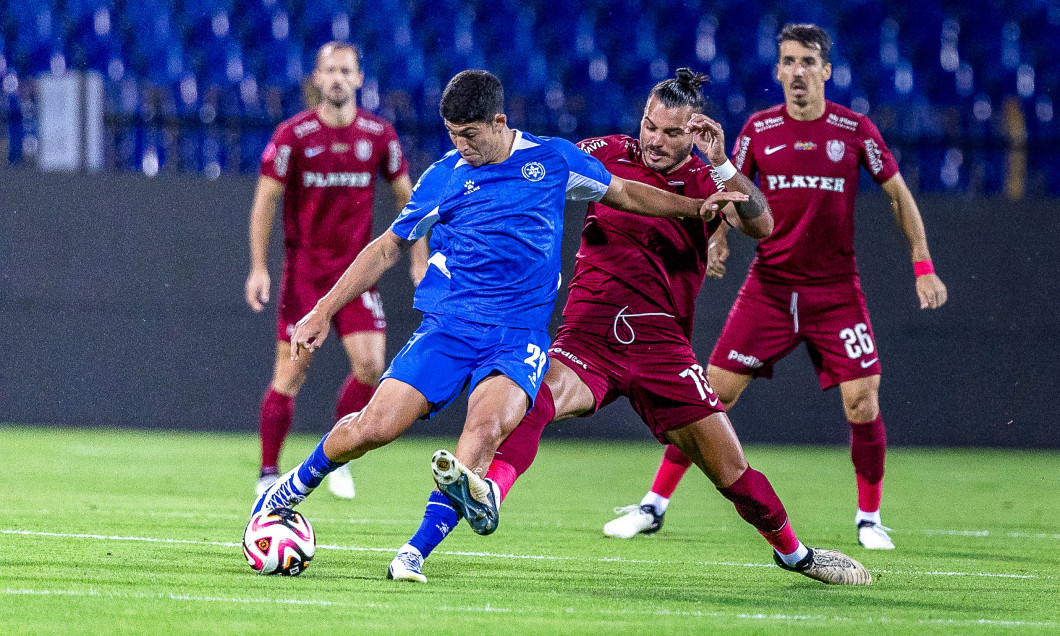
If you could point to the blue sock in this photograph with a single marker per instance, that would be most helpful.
(439, 519)
(317, 466)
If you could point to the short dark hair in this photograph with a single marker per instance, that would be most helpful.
(472, 96)
(809, 35)
(683, 90)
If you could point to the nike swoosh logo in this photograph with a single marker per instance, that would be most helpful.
(771, 149)
(312, 152)
(865, 364)
(713, 403)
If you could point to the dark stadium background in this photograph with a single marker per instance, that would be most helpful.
(121, 297)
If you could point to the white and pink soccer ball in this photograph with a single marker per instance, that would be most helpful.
(279, 541)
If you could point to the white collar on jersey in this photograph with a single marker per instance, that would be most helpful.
(520, 143)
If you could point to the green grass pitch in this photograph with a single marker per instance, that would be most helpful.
(138, 532)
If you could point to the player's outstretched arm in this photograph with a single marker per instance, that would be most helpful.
(929, 287)
(753, 216)
(365, 270)
(262, 211)
(643, 199)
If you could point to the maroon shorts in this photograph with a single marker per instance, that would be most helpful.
(657, 371)
(768, 320)
(300, 291)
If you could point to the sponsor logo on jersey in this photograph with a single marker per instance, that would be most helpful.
(533, 171)
(370, 126)
(394, 163)
(363, 149)
(750, 362)
(741, 156)
(771, 149)
(781, 182)
(570, 356)
(283, 157)
(592, 145)
(306, 127)
(805, 145)
(865, 364)
(769, 122)
(836, 150)
(314, 151)
(328, 179)
(842, 122)
(339, 148)
(875, 156)
(469, 187)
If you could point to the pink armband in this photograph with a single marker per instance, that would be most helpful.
(923, 267)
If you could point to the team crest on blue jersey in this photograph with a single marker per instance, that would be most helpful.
(836, 150)
(533, 171)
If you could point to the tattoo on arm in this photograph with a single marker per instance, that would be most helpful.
(752, 208)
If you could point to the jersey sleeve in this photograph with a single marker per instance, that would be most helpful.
(276, 159)
(874, 154)
(743, 156)
(421, 212)
(394, 163)
(587, 178)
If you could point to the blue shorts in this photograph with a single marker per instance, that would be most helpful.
(448, 354)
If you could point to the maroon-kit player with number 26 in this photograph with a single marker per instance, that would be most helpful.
(803, 285)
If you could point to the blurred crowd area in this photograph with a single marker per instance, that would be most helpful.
(963, 91)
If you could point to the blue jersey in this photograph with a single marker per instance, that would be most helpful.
(497, 230)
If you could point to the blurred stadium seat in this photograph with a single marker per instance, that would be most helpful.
(198, 85)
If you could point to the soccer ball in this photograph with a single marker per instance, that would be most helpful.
(279, 541)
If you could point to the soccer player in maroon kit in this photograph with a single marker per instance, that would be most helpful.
(627, 325)
(803, 284)
(323, 162)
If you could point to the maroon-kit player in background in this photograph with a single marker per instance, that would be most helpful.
(324, 163)
(628, 321)
(803, 284)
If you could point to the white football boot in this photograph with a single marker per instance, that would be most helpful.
(873, 536)
(635, 519)
(340, 483)
(406, 566)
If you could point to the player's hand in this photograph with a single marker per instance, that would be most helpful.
(709, 137)
(310, 332)
(715, 202)
(931, 291)
(257, 289)
(717, 254)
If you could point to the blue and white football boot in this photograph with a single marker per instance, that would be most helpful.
(475, 498)
(286, 492)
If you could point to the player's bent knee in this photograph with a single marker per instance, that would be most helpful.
(485, 427)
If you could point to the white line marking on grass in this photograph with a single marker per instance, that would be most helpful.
(988, 533)
(534, 611)
(495, 555)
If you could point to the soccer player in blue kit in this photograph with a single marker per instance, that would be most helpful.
(494, 210)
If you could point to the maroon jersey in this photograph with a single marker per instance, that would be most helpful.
(808, 171)
(649, 264)
(329, 184)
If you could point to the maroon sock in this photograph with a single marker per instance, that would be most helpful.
(868, 446)
(673, 467)
(353, 396)
(277, 411)
(758, 504)
(519, 449)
